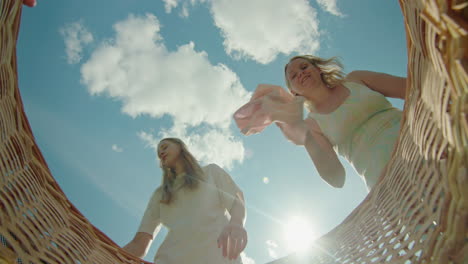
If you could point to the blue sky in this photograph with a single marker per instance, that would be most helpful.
(102, 81)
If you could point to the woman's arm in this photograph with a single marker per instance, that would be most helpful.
(139, 245)
(233, 238)
(307, 133)
(148, 229)
(386, 84)
(237, 211)
(323, 155)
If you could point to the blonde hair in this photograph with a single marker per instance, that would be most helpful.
(193, 172)
(331, 72)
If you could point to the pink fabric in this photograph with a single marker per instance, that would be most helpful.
(30, 3)
(271, 103)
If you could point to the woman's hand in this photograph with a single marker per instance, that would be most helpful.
(291, 112)
(132, 248)
(232, 240)
(295, 132)
(30, 3)
(289, 118)
(139, 245)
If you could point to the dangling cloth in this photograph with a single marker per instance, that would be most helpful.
(269, 103)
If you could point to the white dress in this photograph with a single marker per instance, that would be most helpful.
(364, 130)
(194, 218)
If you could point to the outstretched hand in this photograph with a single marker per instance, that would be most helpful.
(296, 133)
(30, 3)
(232, 240)
(290, 112)
(290, 121)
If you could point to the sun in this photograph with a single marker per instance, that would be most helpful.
(299, 234)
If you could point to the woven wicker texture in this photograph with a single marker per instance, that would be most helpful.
(37, 222)
(418, 211)
(416, 214)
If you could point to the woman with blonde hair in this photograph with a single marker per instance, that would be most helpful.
(348, 115)
(202, 208)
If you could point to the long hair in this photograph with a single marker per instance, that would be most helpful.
(193, 172)
(331, 71)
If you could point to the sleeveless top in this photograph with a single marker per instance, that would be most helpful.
(363, 129)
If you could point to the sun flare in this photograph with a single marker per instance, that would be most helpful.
(299, 234)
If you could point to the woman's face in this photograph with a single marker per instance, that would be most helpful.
(168, 153)
(303, 77)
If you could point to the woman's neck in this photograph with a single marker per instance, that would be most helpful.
(331, 99)
(179, 168)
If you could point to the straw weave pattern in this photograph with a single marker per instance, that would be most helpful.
(417, 213)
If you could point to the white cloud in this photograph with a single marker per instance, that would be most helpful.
(169, 4)
(272, 27)
(75, 36)
(116, 148)
(213, 145)
(136, 68)
(330, 6)
(272, 246)
(184, 12)
(246, 259)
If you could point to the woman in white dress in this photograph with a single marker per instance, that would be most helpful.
(349, 115)
(202, 208)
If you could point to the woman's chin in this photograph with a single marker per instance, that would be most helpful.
(168, 164)
(305, 96)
